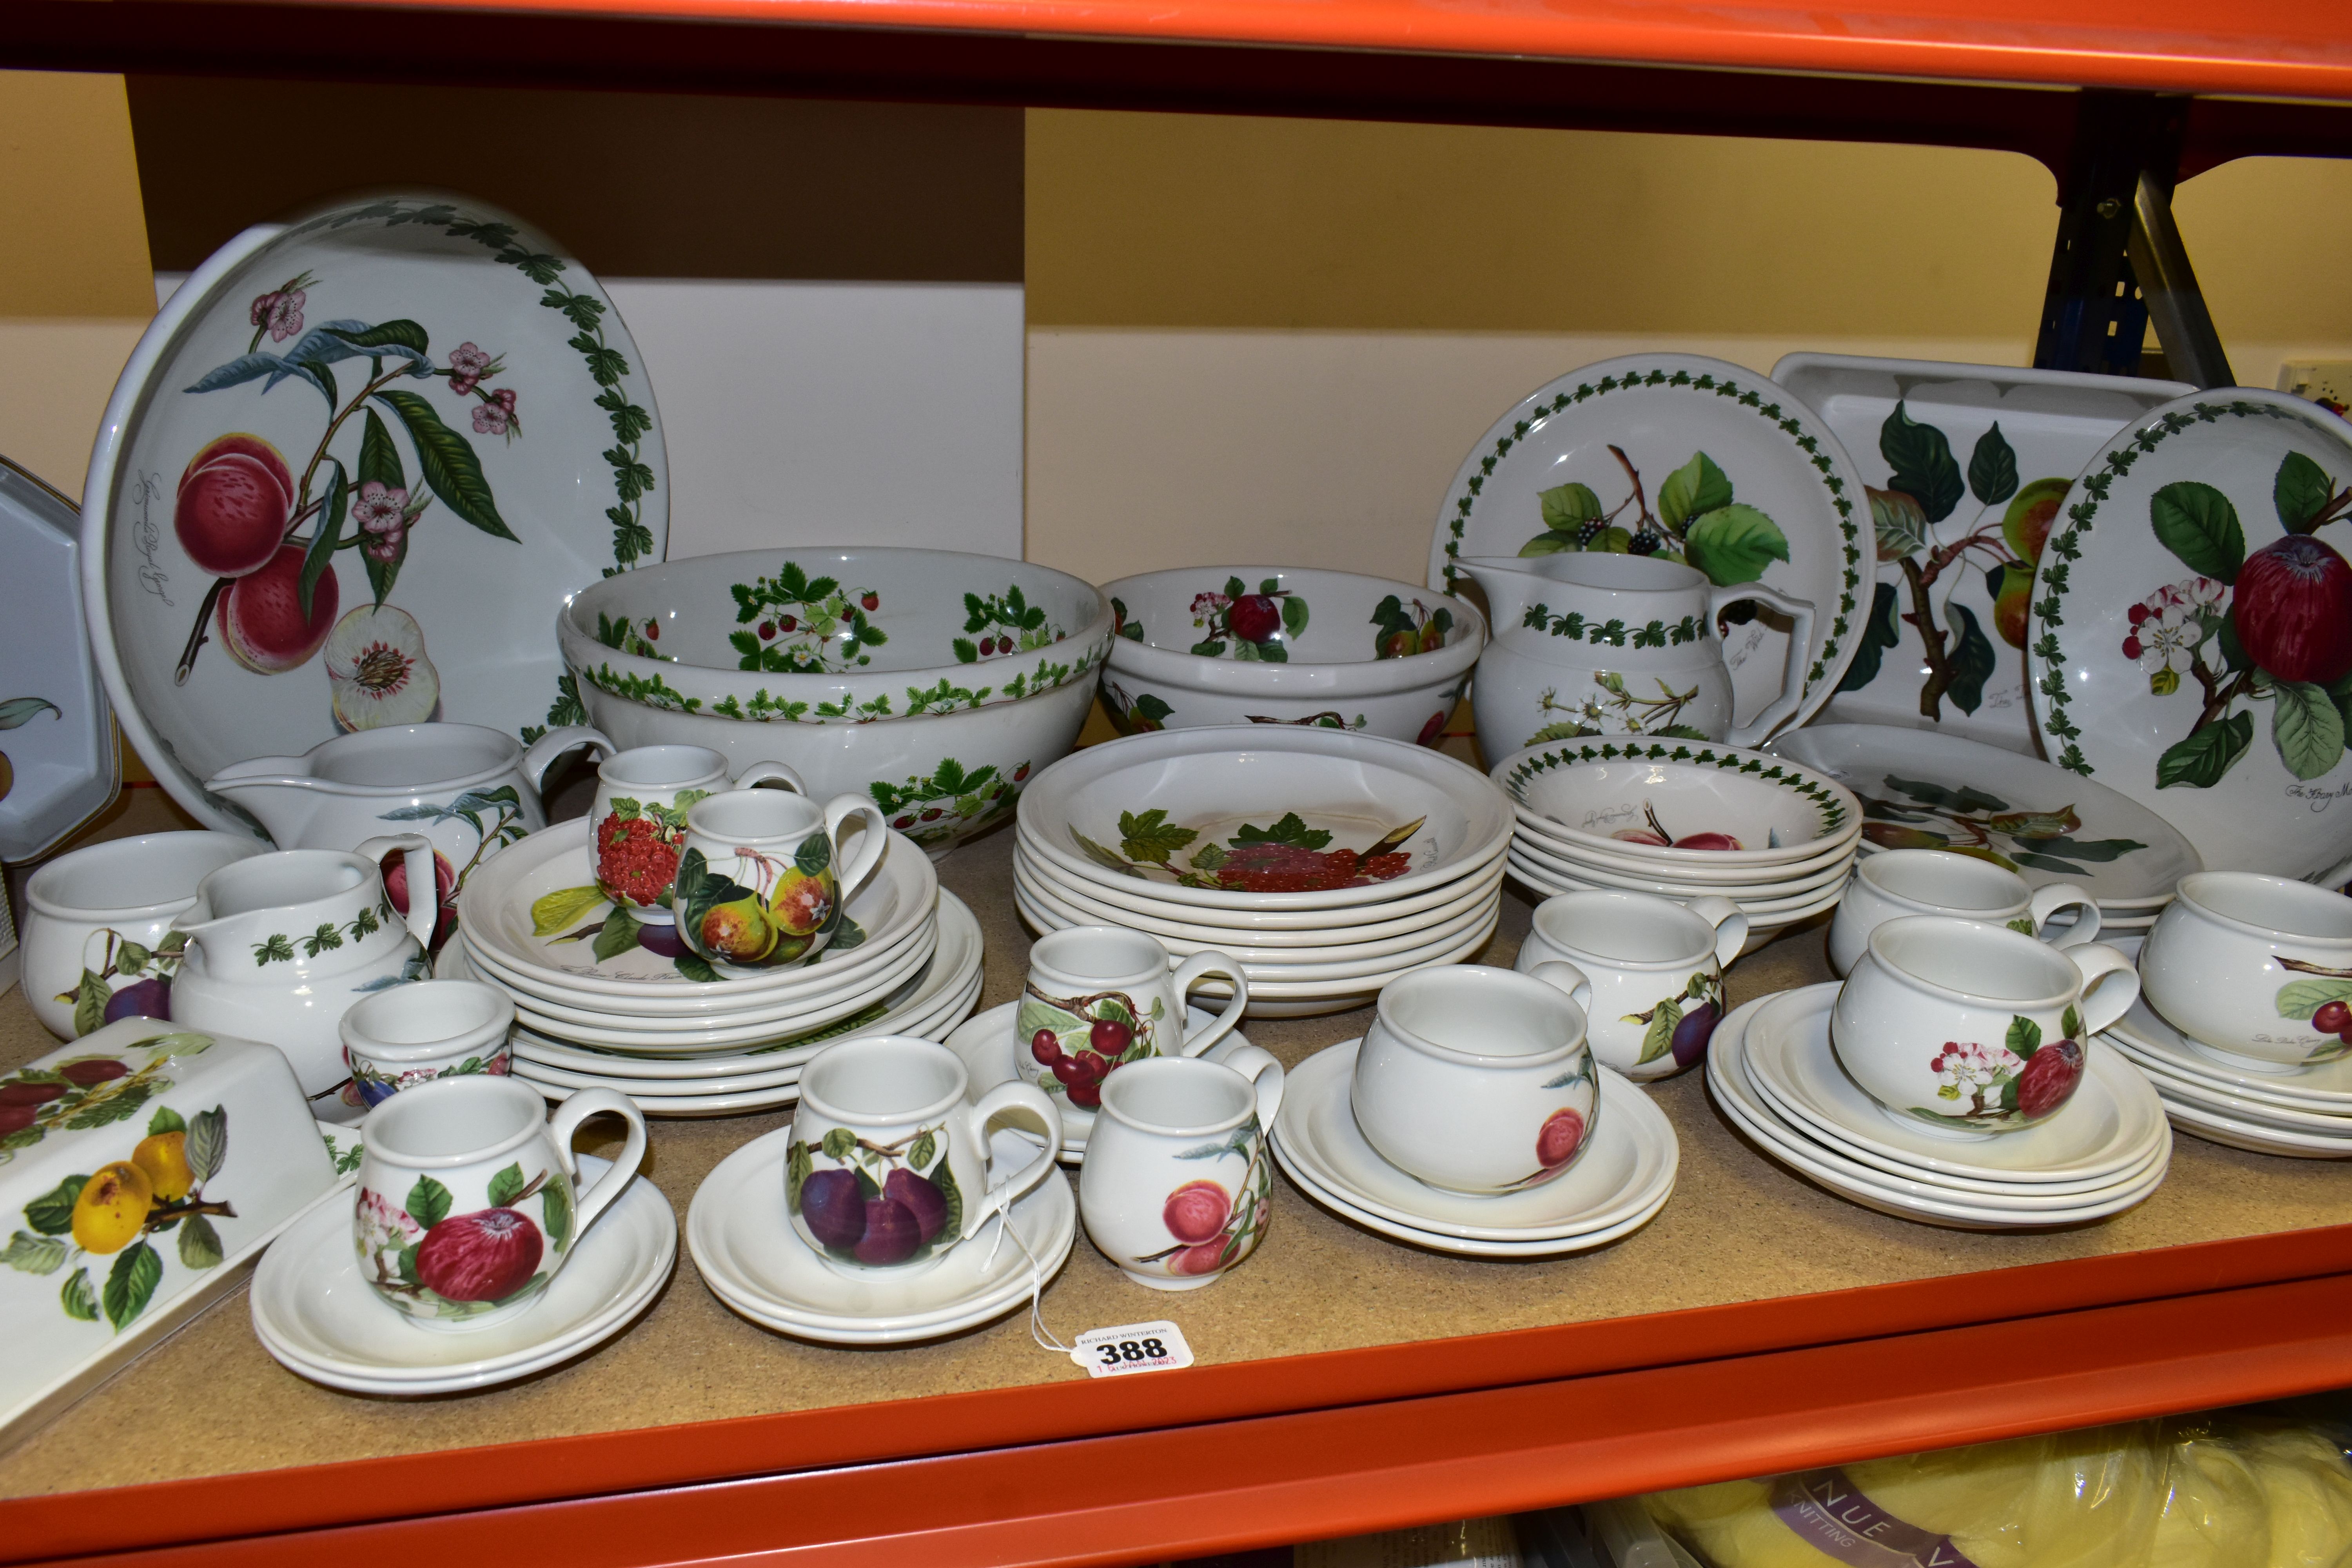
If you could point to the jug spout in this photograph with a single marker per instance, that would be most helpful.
(1509, 585)
(281, 793)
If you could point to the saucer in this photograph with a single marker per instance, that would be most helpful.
(1629, 1169)
(313, 1312)
(2177, 1090)
(1727, 1082)
(1436, 1241)
(755, 1262)
(986, 1045)
(2143, 1032)
(2255, 1137)
(2111, 1126)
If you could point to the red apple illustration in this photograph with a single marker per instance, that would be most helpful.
(235, 501)
(260, 617)
(485, 1255)
(1561, 1137)
(1255, 617)
(2049, 1078)
(2292, 608)
(1197, 1211)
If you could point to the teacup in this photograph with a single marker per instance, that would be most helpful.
(638, 818)
(1970, 1028)
(1178, 1183)
(98, 934)
(888, 1167)
(1478, 1080)
(1897, 882)
(763, 875)
(2255, 971)
(469, 1195)
(427, 1029)
(1655, 967)
(1101, 996)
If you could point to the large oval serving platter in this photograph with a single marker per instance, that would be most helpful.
(489, 422)
(1720, 458)
(2191, 636)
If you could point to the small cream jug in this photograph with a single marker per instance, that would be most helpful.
(280, 946)
(1599, 644)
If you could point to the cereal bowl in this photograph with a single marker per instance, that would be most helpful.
(1673, 803)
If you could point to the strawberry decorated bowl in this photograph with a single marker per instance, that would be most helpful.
(933, 682)
(1277, 644)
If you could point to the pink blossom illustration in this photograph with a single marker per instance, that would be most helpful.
(496, 416)
(279, 313)
(468, 365)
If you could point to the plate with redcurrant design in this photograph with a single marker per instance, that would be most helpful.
(1693, 459)
(349, 476)
(2190, 643)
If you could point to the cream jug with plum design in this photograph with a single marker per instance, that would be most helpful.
(1589, 644)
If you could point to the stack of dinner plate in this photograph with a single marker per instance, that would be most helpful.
(601, 1005)
(1326, 863)
(1772, 1071)
(1681, 819)
(2302, 1112)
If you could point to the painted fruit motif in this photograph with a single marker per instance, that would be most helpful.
(1691, 1035)
(260, 617)
(445, 879)
(1657, 836)
(740, 931)
(834, 1211)
(150, 998)
(882, 1227)
(236, 500)
(2049, 1080)
(1255, 617)
(163, 1158)
(637, 858)
(1559, 1138)
(485, 1255)
(1196, 1213)
(801, 903)
(2293, 609)
(111, 1210)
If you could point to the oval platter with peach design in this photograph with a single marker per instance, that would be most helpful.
(350, 474)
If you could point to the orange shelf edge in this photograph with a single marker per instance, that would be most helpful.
(367, 1494)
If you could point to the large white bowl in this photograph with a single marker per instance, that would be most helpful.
(1581, 792)
(1339, 670)
(941, 741)
(1189, 789)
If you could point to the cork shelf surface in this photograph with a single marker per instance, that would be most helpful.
(1740, 1229)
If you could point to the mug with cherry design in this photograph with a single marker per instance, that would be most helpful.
(1099, 997)
(1178, 1183)
(638, 818)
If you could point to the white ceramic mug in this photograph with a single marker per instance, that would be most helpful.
(1178, 1183)
(1100, 996)
(97, 938)
(414, 1034)
(1893, 883)
(1655, 967)
(470, 1198)
(637, 817)
(2255, 971)
(1478, 1080)
(765, 876)
(888, 1167)
(1969, 1028)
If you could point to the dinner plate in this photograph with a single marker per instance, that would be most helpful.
(1791, 893)
(1182, 812)
(2325, 1087)
(2207, 1096)
(753, 1259)
(1921, 790)
(1672, 416)
(2256, 1137)
(1983, 455)
(1134, 896)
(2219, 510)
(1530, 837)
(2108, 1127)
(496, 446)
(1628, 1169)
(1039, 877)
(1782, 912)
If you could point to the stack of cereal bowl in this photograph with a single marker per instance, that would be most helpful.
(1328, 863)
(1683, 820)
(607, 999)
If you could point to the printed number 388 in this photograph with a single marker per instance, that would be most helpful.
(1132, 1350)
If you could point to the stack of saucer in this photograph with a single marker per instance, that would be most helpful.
(1326, 863)
(1615, 1188)
(2304, 1113)
(1770, 1068)
(1683, 820)
(635, 1020)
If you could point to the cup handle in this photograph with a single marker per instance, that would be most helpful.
(417, 849)
(766, 773)
(542, 752)
(1792, 675)
(2110, 984)
(1568, 977)
(597, 1196)
(1730, 924)
(1264, 1073)
(1001, 1196)
(1189, 973)
(870, 850)
(2048, 900)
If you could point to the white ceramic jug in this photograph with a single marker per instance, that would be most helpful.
(280, 946)
(1599, 644)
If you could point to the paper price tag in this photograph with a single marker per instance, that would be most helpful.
(1131, 1347)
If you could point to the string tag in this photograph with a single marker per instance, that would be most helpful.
(1130, 1348)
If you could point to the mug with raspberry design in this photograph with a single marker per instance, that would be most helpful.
(639, 815)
